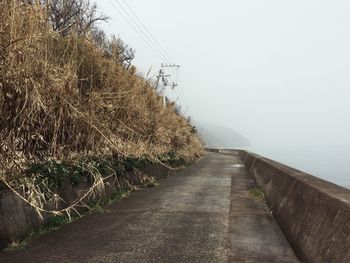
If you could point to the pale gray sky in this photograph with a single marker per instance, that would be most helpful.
(277, 71)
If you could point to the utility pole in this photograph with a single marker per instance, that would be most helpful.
(164, 78)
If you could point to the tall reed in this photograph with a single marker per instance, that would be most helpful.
(61, 98)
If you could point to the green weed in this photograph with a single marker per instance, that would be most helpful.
(256, 193)
(54, 223)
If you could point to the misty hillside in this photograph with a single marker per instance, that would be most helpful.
(215, 136)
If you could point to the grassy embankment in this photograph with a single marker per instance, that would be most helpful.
(70, 110)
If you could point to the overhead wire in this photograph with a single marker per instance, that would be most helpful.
(149, 32)
(140, 28)
(155, 50)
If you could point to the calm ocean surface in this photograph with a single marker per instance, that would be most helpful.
(331, 163)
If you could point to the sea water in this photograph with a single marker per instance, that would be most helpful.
(331, 163)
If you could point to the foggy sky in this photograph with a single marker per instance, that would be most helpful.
(276, 71)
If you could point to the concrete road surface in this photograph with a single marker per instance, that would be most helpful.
(203, 214)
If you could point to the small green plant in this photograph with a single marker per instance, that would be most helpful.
(15, 245)
(97, 208)
(256, 193)
(117, 196)
(53, 173)
(54, 222)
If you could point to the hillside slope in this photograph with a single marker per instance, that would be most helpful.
(71, 107)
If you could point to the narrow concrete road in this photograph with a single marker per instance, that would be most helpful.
(202, 214)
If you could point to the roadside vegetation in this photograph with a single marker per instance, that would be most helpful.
(72, 105)
(257, 194)
(54, 222)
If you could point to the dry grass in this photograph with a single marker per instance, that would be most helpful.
(61, 98)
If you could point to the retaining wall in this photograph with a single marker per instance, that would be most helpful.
(18, 219)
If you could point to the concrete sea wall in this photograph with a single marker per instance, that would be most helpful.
(313, 214)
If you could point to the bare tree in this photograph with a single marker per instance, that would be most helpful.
(77, 16)
(125, 53)
(114, 48)
(80, 17)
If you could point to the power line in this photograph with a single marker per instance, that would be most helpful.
(153, 43)
(146, 29)
(137, 31)
(141, 30)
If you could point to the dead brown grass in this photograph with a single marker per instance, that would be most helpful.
(60, 97)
